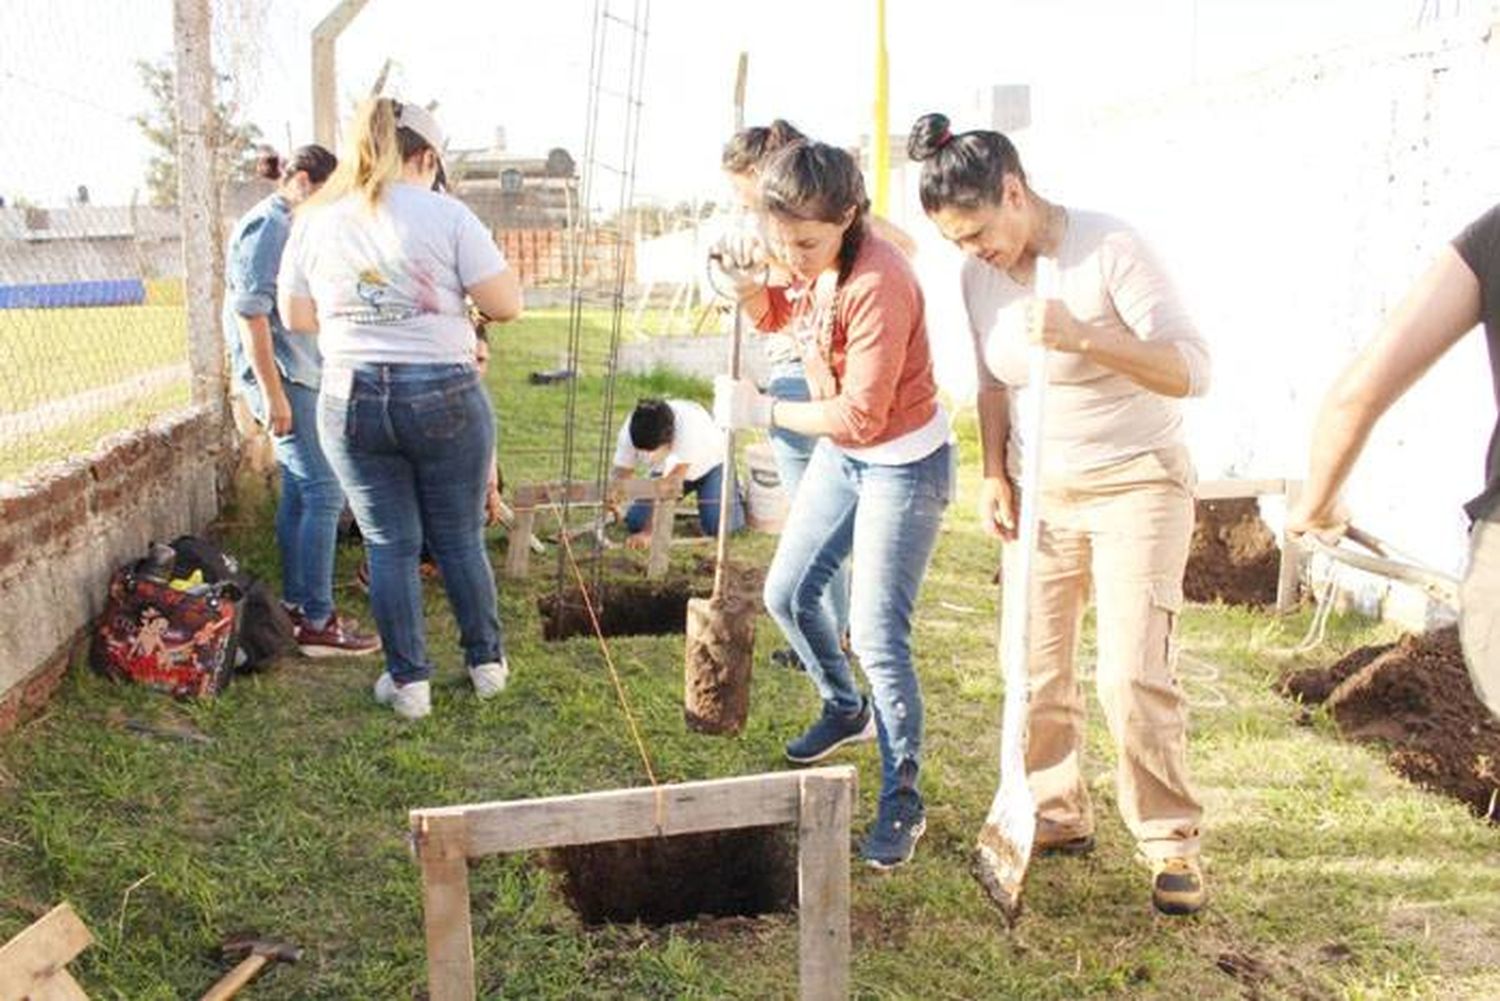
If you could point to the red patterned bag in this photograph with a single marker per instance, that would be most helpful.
(176, 636)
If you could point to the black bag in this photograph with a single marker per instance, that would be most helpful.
(266, 631)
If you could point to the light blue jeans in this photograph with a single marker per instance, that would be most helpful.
(792, 451)
(307, 517)
(887, 519)
(413, 448)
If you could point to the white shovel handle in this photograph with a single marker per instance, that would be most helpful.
(1016, 627)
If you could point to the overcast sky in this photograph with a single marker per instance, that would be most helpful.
(69, 85)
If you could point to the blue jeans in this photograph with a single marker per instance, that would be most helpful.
(792, 451)
(307, 518)
(413, 447)
(887, 519)
(709, 489)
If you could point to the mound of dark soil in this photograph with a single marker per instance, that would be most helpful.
(1234, 557)
(1415, 698)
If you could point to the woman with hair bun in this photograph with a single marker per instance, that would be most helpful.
(878, 480)
(278, 374)
(379, 266)
(1117, 483)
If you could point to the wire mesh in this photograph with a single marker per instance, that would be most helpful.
(93, 320)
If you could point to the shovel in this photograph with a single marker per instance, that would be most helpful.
(1003, 848)
(720, 628)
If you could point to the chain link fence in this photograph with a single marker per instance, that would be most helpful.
(93, 315)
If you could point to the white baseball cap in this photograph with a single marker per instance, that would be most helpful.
(422, 122)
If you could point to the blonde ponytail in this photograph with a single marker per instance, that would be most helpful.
(371, 158)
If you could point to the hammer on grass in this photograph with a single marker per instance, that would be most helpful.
(254, 953)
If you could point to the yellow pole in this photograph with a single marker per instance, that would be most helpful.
(880, 142)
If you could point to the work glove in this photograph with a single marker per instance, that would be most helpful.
(739, 405)
(740, 261)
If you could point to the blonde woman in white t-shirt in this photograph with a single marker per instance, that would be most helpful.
(1116, 509)
(379, 267)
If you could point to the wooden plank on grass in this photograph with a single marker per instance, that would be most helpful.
(620, 814)
(823, 885)
(32, 964)
(442, 848)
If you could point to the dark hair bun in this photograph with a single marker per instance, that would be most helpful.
(268, 165)
(929, 135)
(781, 133)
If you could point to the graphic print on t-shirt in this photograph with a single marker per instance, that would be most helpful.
(378, 295)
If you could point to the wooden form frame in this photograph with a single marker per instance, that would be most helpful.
(665, 491)
(818, 800)
(1292, 555)
(34, 963)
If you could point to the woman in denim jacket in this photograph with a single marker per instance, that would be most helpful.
(277, 374)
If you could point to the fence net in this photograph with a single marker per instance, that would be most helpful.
(93, 324)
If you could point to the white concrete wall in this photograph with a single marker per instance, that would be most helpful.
(1294, 207)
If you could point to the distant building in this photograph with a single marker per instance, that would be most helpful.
(509, 191)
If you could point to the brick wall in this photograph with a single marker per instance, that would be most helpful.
(62, 535)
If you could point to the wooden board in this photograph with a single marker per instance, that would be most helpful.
(32, 965)
(1233, 489)
(823, 887)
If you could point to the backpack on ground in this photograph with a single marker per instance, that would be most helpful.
(184, 618)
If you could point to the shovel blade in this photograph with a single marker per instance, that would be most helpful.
(1002, 851)
(719, 650)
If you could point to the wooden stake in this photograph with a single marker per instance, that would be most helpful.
(442, 847)
(823, 887)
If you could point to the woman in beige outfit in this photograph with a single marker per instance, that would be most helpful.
(1116, 510)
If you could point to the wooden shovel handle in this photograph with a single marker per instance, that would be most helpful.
(236, 978)
(728, 490)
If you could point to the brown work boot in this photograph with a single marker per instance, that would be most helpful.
(338, 637)
(1177, 886)
(1075, 847)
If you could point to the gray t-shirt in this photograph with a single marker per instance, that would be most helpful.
(1479, 246)
(389, 284)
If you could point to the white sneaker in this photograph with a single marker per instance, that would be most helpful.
(489, 679)
(410, 701)
(385, 688)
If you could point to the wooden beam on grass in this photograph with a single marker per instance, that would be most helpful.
(33, 965)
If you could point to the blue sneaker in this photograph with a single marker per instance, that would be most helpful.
(899, 825)
(832, 731)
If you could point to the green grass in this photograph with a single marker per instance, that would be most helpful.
(49, 354)
(1336, 877)
(52, 354)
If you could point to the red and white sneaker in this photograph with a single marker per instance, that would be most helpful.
(339, 637)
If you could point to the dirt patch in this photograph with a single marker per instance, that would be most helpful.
(720, 650)
(623, 609)
(632, 607)
(659, 881)
(1415, 697)
(1234, 557)
(1313, 685)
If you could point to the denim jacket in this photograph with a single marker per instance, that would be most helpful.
(250, 269)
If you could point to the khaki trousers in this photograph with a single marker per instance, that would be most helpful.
(1479, 618)
(1124, 528)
